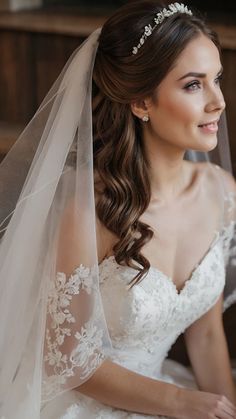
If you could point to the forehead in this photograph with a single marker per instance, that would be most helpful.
(200, 55)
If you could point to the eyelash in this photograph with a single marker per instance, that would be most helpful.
(197, 83)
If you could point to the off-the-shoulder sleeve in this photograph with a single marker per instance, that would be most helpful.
(76, 337)
(228, 234)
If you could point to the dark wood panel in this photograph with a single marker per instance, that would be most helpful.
(228, 87)
(17, 79)
(8, 134)
(51, 54)
(50, 21)
(226, 31)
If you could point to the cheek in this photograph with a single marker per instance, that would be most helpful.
(182, 111)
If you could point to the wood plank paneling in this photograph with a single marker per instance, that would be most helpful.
(8, 132)
(17, 79)
(51, 53)
(62, 23)
(229, 91)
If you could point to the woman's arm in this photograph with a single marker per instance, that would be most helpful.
(208, 353)
(121, 388)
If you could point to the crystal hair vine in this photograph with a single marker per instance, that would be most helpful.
(159, 17)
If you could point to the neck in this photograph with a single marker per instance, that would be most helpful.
(168, 175)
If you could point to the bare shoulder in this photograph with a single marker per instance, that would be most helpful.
(227, 179)
(214, 175)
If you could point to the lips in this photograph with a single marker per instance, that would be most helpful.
(210, 127)
(211, 123)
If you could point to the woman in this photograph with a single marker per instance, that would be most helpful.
(163, 231)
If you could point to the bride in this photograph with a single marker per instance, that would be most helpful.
(119, 232)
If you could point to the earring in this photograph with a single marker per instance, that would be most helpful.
(145, 118)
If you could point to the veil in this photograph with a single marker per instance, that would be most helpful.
(53, 332)
(46, 175)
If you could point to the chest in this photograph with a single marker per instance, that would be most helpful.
(154, 306)
(180, 241)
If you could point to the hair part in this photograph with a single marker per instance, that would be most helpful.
(122, 180)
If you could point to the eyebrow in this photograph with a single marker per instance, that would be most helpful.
(198, 75)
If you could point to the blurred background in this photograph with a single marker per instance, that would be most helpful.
(38, 36)
(107, 4)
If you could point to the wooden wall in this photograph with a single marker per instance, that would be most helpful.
(34, 47)
(229, 90)
(31, 64)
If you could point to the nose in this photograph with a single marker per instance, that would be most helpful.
(215, 100)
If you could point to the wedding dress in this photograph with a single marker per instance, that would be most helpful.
(144, 323)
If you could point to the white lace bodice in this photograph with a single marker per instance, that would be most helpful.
(143, 323)
(145, 320)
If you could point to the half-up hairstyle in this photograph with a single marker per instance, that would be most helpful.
(122, 180)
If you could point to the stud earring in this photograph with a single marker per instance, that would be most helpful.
(145, 118)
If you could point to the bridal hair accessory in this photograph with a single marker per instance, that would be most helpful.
(160, 16)
(145, 118)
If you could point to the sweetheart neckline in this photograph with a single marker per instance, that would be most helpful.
(155, 269)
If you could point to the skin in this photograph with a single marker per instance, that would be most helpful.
(177, 111)
(180, 104)
(173, 128)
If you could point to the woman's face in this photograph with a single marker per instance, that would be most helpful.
(189, 100)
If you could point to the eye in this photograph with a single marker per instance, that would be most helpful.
(194, 85)
(219, 78)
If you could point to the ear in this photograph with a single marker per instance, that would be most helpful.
(139, 108)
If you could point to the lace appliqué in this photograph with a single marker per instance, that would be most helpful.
(229, 246)
(229, 241)
(86, 354)
(154, 313)
(92, 409)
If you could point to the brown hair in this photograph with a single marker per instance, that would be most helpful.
(119, 77)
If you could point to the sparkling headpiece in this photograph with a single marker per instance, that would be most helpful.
(159, 17)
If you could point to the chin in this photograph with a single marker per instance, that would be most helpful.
(208, 144)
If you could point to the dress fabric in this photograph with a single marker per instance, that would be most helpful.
(143, 323)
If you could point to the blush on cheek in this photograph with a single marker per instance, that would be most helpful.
(179, 113)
